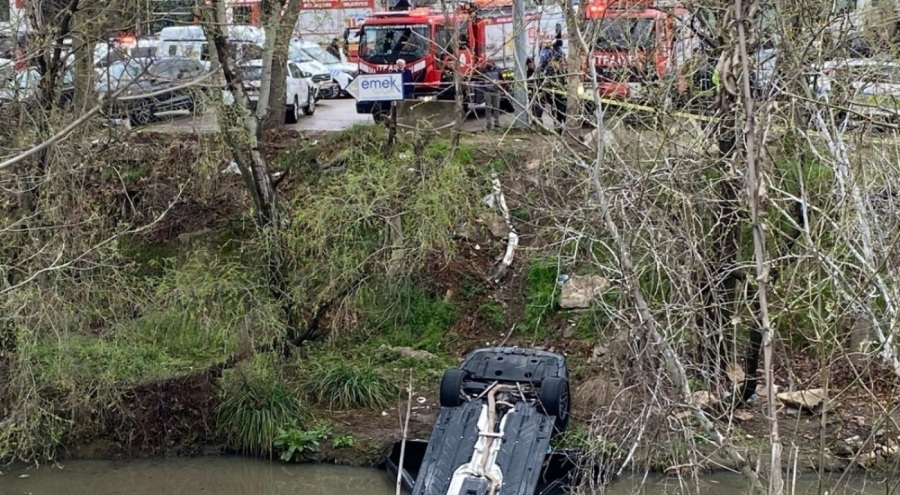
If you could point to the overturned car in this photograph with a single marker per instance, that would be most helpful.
(499, 411)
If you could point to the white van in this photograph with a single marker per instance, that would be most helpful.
(247, 42)
(112, 51)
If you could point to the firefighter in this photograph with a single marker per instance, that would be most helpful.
(545, 54)
(553, 83)
(534, 89)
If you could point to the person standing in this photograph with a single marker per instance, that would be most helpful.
(401, 5)
(335, 48)
(492, 89)
(21, 63)
(554, 84)
(534, 90)
(407, 78)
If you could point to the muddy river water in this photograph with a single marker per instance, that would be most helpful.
(242, 476)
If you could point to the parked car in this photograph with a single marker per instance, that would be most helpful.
(300, 93)
(341, 72)
(316, 73)
(870, 87)
(499, 410)
(118, 74)
(165, 87)
(23, 86)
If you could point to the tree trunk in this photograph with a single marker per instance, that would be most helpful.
(756, 197)
(280, 28)
(719, 278)
(84, 71)
(248, 152)
(248, 149)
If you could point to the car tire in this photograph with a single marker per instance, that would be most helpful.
(451, 387)
(555, 400)
(141, 115)
(310, 107)
(292, 112)
(197, 107)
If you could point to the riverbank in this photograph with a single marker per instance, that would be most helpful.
(166, 348)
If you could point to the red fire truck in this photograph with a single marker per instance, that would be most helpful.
(425, 40)
(639, 43)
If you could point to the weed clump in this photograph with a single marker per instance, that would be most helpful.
(347, 385)
(256, 405)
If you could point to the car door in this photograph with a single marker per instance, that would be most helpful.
(159, 79)
(183, 72)
(296, 86)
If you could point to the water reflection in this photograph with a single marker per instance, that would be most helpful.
(243, 476)
(231, 475)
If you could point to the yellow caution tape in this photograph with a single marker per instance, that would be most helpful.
(588, 96)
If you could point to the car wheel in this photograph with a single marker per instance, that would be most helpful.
(451, 387)
(140, 115)
(554, 396)
(292, 112)
(310, 104)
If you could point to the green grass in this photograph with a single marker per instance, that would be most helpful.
(493, 313)
(342, 384)
(589, 324)
(541, 294)
(75, 361)
(407, 316)
(191, 317)
(426, 372)
(128, 174)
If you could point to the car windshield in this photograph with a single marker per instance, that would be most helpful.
(297, 54)
(623, 33)
(174, 69)
(251, 72)
(316, 52)
(122, 71)
(387, 44)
